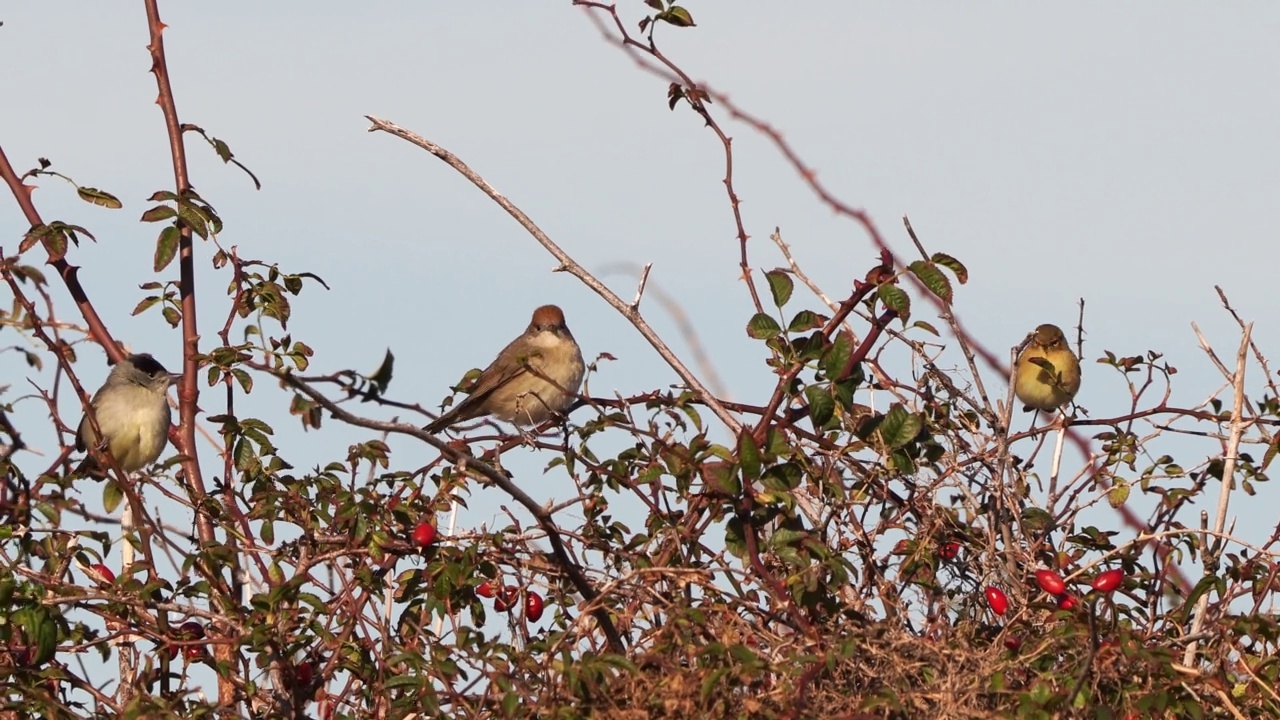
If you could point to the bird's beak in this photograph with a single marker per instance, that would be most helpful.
(175, 378)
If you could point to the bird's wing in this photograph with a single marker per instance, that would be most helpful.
(84, 426)
(514, 363)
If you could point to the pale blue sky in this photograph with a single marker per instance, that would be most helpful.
(1125, 154)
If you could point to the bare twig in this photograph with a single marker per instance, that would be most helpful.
(687, 332)
(1231, 455)
(644, 279)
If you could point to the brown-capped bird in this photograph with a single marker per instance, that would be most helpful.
(535, 377)
(1035, 383)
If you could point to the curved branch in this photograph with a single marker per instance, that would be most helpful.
(567, 264)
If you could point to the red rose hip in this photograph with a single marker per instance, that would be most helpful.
(424, 535)
(1050, 582)
(1108, 581)
(533, 606)
(949, 551)
(998, 601)
(506, 599)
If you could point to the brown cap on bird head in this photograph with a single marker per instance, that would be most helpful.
(547, 316)
(1048, 334)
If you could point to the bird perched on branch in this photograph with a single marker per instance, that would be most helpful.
(132, 411)
(1048, 373)
(532, 379)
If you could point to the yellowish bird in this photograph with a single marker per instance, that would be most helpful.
(532, 379)
(1048, 374)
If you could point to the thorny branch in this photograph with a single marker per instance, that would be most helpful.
(497, 477)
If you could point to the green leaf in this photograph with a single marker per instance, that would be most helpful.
(780, 285)
(722, 478)
(786, 477)
(1207, 583)
(748, 455)
(166, 247)
(223, 150)
(245, 459)
(895, 299)
(99, 197)
(200, 219)
(171, 315)
(111, 496)
(692, 413)
(834, 360)
(952, 264)
(245, 380)
(145, 303)
(300, 353)
(1037, 520)
(1118, 494)
(926, 327)
(899, 427)
(677, 16)
(41, 628)
(70, 231)
(56, 245)
(821, 405)
(33, 236)
(931, 277)
(777, 498)
(782, 537)
(53, 237)
(158, 213)
(804, 321)
(195, 218)
(763, 327)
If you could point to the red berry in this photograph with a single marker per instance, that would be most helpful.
(1013, 643)
(1108, 581)
(424, 535)
(532, 606)
(1050, 582)
(998, 601)
(101, 574)
(1066, 602)
(189, 630)
(303, 673)
(506, 599)
(949, 551)
(486, 589)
